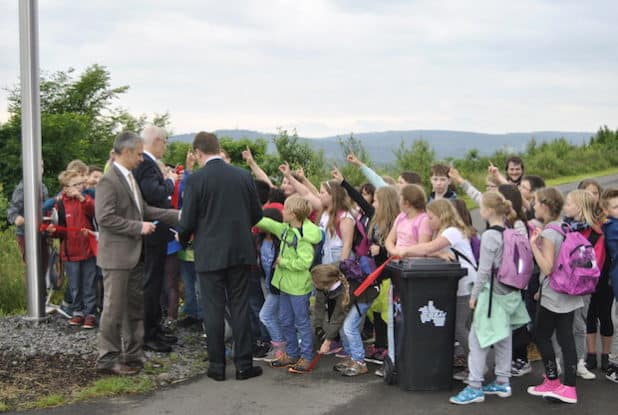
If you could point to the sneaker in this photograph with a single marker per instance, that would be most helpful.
(495, 388)
(90, 322)
(65, 311)
(355, 369)
(612, 373)
(591, 361)
(76, 321)
(271, 356)
(379, 372)
(547, 386)
(342, 365)
(376, 355)
(563, 393)
(301, 366)
(461, 375)
(468, 395)
(335, 347)
(260, 350)
(284, 361)
(583, 372)
(520, 368)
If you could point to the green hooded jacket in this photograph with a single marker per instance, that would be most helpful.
(292, 275)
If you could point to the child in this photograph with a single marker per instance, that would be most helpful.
(555, 310)
(507, 310)
(293, 279)
(76, 210)
(581, 215)
(440, 183)
(268, 251)
(412, 224)
(609, 203)
(337, 222)
(452, 235)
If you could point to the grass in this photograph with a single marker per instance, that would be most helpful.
(47, 402)
(577, 178)
(116, 385)
(12, 283)
(3, 407)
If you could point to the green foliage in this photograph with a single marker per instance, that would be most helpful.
(116, 385)
(234, 148)
(418, 158)
(4, 204)
(79, 120)
(48, 401)
(12, 277)
(298, 154)
(350, 172)
(176, 153)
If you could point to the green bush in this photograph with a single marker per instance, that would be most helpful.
(12, 284)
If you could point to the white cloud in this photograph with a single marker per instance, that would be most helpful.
(331, 67)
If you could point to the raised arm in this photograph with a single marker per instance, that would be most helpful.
(354, 194)
(373, 177)
(301, 189)
(467, 187)
(255, 168)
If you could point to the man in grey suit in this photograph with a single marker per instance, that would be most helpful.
(121, 212)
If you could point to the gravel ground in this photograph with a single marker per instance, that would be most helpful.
(41, 359)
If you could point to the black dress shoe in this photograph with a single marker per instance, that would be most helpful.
(189, 321)
(218, 376)
(252, 372)
(166, 338)
(157, 346)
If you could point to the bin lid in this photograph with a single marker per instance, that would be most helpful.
(427, 267)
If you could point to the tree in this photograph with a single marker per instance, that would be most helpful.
(79, 119)
(351, 173)
(298, 154)
(418, 158)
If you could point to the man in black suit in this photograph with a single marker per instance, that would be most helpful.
(220, 205)
(157, 188)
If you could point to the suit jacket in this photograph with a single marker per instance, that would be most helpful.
(220, 205)
(120, 221)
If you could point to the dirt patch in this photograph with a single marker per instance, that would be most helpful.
(27, 379)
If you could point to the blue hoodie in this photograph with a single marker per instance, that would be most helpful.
(610, 230)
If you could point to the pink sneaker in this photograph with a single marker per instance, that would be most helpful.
(544, 388)
(564, 393)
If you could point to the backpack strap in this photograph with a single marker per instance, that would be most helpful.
(459, 254)
(593, 238)
(500, 229)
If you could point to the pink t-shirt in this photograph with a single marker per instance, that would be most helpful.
(409, 231)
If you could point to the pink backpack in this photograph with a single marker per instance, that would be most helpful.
(517, 259)
(575, 270)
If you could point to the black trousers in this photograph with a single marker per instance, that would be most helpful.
(562, 324)
(233, 284)
(155, 252)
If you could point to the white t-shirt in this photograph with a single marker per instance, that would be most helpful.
(458, 241)
(333, 245)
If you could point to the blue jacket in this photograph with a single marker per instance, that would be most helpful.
(610, 230)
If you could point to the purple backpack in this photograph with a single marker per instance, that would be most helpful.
(517, 259)
(575, 270)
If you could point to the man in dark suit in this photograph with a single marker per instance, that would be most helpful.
(157, 188)
(219, 208)
(120, 212)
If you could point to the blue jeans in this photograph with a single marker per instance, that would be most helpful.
(350, 332)
(82, 283)
(192, 306)
(295, 324)
(269, 316)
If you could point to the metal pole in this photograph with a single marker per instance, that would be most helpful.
(31, 152)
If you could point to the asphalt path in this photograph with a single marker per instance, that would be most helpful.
(326, 392)
(604, 181)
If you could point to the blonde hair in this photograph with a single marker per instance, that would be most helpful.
(298, 206)
(586, 204)
(498, 203)
(325, 275)
(339, 202)
(448, 216)
(553, 199)
(386, 213)
(389, 180)
(79, 166)
(65, 176)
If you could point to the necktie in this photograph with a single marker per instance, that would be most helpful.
(134, 190)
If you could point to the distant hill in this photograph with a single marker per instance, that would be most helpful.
(380, 145)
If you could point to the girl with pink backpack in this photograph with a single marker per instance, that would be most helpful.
(556, 309)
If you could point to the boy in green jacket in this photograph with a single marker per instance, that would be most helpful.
(293, 279)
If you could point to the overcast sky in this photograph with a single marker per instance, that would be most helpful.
(340, 66)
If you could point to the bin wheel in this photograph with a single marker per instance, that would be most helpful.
(390, 372)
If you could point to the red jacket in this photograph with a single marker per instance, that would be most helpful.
(599, 246)
(75, 246)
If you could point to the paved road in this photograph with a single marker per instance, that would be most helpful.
(604, 181)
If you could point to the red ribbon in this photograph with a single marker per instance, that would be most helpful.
(372, 277)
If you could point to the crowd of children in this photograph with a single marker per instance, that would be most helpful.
(316, 245)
